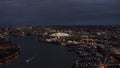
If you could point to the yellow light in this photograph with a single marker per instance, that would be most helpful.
(102, 66)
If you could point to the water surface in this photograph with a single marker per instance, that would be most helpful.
(43, 55)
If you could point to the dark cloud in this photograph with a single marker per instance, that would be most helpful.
(18, 12)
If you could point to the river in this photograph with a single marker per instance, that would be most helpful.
(45, 55)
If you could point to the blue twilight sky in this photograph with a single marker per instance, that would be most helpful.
(63, 12)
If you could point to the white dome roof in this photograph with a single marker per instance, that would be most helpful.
(60, 34)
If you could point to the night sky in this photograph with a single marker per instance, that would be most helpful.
(59, 12)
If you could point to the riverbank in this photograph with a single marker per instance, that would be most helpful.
(8, 51)
(45, 55)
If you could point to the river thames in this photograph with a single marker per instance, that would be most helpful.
(44, 55)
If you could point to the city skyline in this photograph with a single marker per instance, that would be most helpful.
(59, 12)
